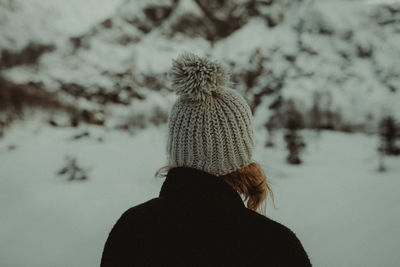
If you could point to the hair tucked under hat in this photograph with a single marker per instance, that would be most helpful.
(210, 125)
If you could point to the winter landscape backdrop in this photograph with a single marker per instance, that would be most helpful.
(84, 98)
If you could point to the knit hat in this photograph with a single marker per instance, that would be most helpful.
(210, 125)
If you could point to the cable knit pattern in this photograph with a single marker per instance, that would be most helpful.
(210, 125)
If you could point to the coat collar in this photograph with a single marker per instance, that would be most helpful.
(192, 185)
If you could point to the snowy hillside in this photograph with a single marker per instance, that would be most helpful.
(338, 56)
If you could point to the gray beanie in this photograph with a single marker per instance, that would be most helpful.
(210, 125)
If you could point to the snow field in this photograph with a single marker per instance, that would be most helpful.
(343, 210)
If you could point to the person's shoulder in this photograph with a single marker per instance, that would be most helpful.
(144, 208)
(137, 217)
(288, 247)
(264, 222)
(271, 228)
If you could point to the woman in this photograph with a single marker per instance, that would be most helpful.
(199, 218)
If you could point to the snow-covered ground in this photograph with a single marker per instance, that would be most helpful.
(342, 209)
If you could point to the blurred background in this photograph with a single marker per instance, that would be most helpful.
(84, 101)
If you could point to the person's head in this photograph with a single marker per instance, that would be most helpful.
(210, 128)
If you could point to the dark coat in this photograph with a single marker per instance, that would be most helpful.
(199, 220)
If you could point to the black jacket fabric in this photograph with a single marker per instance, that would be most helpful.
(199, 220)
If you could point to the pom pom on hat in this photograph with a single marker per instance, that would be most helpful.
(197, 77)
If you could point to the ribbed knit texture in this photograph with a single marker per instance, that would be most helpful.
(211, 129)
